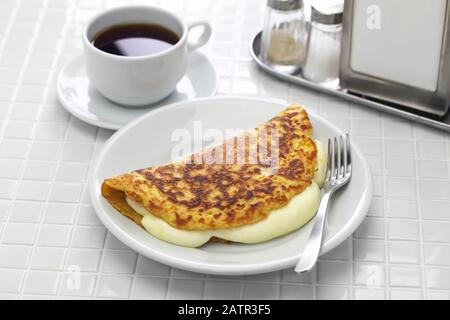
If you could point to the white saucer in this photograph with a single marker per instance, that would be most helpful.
(84, 102)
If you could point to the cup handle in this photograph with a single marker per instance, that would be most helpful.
(204, 37)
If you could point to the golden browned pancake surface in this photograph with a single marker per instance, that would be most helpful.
(206, 196)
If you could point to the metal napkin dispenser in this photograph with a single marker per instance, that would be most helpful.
(398, 51)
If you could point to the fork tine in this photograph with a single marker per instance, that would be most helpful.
(342, 157)
(349, 156)
(328, 174)
(337, 160)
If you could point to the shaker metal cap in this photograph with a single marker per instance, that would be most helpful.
(285, 5)
(327, 12)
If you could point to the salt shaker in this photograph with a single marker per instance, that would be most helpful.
(324, 43)
(284, 36)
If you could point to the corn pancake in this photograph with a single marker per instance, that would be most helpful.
(189, 196)
(300, 209)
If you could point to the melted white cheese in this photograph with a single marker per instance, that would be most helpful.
(279, 222)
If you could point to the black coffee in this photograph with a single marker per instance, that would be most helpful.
(137, 39)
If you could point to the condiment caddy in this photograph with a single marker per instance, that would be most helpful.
(301, 44)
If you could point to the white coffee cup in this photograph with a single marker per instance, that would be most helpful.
(139, 80)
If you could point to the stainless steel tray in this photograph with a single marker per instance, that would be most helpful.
(440, 123)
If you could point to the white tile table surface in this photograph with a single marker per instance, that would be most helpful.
(48, 229)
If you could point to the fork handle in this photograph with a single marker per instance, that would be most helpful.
(312, 248)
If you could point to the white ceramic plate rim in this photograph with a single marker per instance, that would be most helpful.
(100, 123)
(202, 267)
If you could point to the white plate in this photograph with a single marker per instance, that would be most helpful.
(82, 100)
(147, 141)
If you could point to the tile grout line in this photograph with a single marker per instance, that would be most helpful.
(133, 278)
(7, 116)
(406, 289)
(99, 273)
(352, 268)
(100, 266)
(419, 212)
(242, 283)
(169, 281)
(9, 26)
(265, 282)
(205, 279)
(387, 294)
(278, 286)
(314, 280)
(377, 263)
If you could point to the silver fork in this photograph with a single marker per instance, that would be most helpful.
(339, 172)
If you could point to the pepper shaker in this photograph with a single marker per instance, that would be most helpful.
(284, 36)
